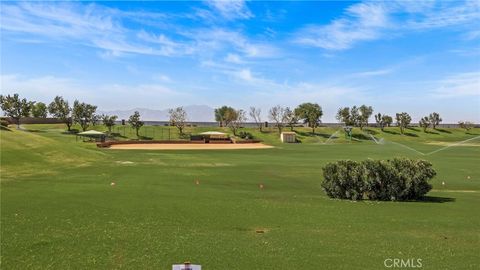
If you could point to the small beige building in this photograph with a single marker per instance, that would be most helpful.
(288, 137)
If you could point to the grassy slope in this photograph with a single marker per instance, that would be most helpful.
(58, 209)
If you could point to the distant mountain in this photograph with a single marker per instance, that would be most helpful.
(195, 113)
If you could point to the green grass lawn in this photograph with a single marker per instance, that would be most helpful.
(59, 210)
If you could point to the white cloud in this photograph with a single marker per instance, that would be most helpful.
(245, 75)
(162, 78)
(59, 21)
(105, 28)
(289, 93)
(374, 20)
(362, 22)
(166, 46)
(437, 16)
(458, 85)
(212, 40)
(40, 87)
(90, 25)
(233, 58)
(107, 95)
(231, 9)
(373, 73)
(471, 35)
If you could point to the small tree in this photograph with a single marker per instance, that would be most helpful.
(379, 120)
(365, 113)
(466, 125)
(388, 120)
(277, 115)
(109, 121)
(96, 119)
(84, 114)
(134, 121)
(424, 123)
(235, 120)
(355, 116)
(343, 116)
(178, 118)
(291, 119)
(39, 109)
(221, 115)
(403, 120)
(255, 114)
(59, 109)
(15, 108)
(310, 113)
(434, 119)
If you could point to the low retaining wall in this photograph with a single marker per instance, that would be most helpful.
(249, 141)
(109, 143)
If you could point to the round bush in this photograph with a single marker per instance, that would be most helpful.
(397, 179)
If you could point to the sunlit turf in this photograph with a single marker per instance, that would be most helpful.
(60, 211)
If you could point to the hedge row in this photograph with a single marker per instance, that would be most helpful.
(397, 179)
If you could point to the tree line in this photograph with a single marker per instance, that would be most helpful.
(309, 114)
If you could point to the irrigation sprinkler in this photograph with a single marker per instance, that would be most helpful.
(331, 136)
(348, 132)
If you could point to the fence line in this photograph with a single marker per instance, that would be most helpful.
(271, 124)
(50, 120)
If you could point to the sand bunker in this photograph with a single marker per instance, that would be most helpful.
(203, 146)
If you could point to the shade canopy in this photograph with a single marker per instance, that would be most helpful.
(213, 133)
(91, 133)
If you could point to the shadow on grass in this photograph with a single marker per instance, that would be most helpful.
(370, 131)
(391, 132)
(115, 135)
(432, 199)
(361, 137)
(431, 132)
(443, 130)
(424, 199)
(145, 138)
(309, 134)
(414, 129)
(34, 130)
(410, 134)
(72, 131)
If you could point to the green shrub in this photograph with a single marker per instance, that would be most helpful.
(245, 135)
(396, 179)
(4, 123)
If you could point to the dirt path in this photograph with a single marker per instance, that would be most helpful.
(206, 146)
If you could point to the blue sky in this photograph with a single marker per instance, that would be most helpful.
(397, 56)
